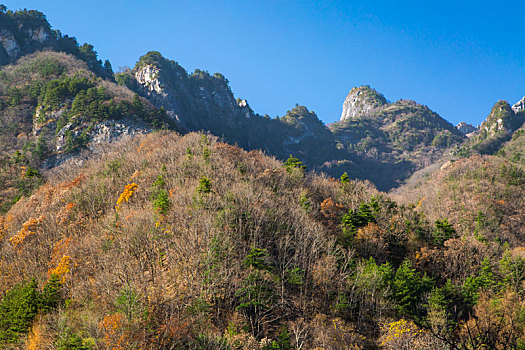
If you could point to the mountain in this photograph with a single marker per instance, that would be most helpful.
(51, 107)
(126, 224)
(395, 138)
(495, 130)
(24, 32)
(407, 136)
(374, 137)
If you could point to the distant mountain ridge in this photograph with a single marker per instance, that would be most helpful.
(202, 101)
(377, 140)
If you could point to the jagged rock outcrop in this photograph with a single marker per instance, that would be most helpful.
(466, 129)
(501, 119)
(360, 101)
(519, 106)
(198, 101)
(24, 32)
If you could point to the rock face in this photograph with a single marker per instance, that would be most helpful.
(519, 106)
(9, 44)
(360, 101)
(107, 131)
(465, 128)
(198, 101)
(25, 32)
(148, 77)
(22, 33)
(502, 119)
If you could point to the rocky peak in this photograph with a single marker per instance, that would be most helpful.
(360, 101)
(198, 101)
(465, 128)
(500, 120)
(519, 106)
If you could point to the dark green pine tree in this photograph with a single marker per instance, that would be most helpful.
(18, 308)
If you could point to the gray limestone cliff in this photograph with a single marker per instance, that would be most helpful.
(22, 33)
(519, 106)
(360, 101)
(466, 129)
(197, 101)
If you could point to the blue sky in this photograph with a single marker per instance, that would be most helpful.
(457, 57)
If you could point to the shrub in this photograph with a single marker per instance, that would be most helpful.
(294, 163)
(160, 196)
(204, 185)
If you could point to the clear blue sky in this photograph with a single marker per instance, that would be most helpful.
(457, 57)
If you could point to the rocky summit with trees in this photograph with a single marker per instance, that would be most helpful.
(136, 212)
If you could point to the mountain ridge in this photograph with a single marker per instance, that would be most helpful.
(152, 209)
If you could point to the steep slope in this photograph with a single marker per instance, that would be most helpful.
(51, 107)
(393, 138)
(495, 130)
(24, 32)
(167, 241)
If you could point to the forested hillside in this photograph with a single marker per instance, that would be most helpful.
(51, 106)
(185, 242)
(151, 209)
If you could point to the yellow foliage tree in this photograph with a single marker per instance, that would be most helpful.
(29, 228)
(113, 328)
(128, 192)
(62, 269)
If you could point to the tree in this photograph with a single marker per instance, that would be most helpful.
(108, 68)
(344, 178)
(51, 296)
(443, 232)
(294, 163)
(41, 148)
(407, 289)
(204, 185)
(18, 308)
